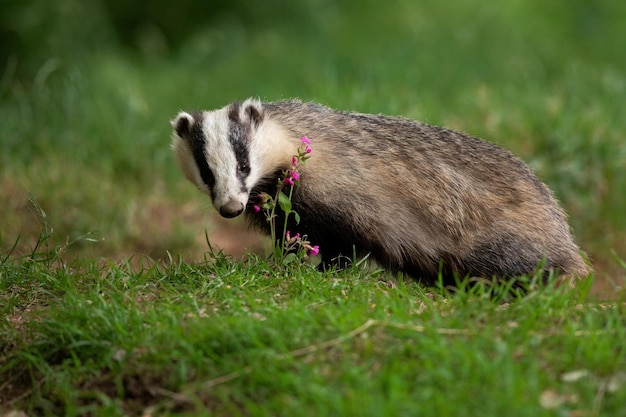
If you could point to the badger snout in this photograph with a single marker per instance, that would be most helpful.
(231, 209)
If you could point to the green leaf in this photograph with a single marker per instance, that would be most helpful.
(284, 202)
(290, 257)
(278, 252)
(296, 217)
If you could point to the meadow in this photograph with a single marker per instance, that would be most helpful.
(113, 303)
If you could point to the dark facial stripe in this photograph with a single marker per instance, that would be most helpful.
(198, 149)
(238, 136)
(205, 172)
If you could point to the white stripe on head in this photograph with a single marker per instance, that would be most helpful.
(222, 160)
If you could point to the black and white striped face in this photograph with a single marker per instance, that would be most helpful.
(213, 151)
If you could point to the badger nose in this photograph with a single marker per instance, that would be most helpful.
(231, 209)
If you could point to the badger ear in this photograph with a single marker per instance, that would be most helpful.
(254, 111)
(182, 124)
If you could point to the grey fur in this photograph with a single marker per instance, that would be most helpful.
(421, 199)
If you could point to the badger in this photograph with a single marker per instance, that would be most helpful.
(422, 200)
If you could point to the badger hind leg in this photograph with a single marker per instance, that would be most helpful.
(510, 256)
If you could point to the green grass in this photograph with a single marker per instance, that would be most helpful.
(118, 309)
(246, 338)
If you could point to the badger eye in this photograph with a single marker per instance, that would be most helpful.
(243, 167)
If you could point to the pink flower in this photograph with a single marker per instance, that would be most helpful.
(307, 149)
(294, 161)
(306, 140)
(295, 175)
(314, 250)
(288, 181)
(291, 240)
(256, 208)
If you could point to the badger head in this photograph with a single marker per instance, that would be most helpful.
(213, 151)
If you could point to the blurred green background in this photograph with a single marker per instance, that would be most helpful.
(87, 89)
